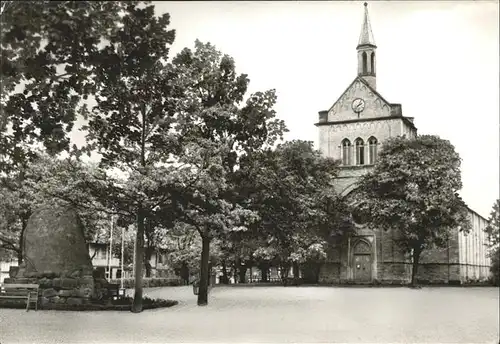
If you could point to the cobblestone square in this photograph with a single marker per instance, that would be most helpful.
(277, 315)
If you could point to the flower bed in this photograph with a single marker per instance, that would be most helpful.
(123, 304)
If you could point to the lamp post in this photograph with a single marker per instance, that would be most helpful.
(133, 262)
(110, 249)
(122, 290)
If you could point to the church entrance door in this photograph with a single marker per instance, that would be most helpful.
(362, 268)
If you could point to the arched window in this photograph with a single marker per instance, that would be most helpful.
(372, 70)
(360, 151)
(362, 247)
(372, 150)
(346, 152)
(365, 62)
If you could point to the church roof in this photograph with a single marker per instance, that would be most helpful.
(366, 36)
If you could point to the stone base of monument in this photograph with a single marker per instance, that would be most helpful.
(61, 293)
(78, 293)
(71, 289)
(55, 257)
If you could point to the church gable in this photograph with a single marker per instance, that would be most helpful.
(374, 104)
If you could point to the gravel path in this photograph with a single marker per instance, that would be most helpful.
(276, 315)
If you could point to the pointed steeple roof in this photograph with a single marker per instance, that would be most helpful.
(366, 36)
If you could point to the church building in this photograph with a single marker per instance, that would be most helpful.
(353, 130)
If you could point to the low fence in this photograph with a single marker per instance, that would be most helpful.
(128, 283)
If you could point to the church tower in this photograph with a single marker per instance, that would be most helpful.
(353, 131)
(355, 127)
(367, 63)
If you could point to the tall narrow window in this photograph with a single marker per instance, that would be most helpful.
(365, 62)
(372, 70)
(346, 152)
(372, 150)
(360, 152)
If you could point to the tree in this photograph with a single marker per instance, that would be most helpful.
(413, 190)
(203, 207)
(291, 188)
(493, 235)
(493, 228)
(214, 118)
(48, 52)
(241, 250)
(20, 197)
(215, 122)
(130, 125)
(495, 265)
(128, 251)
(183, 246)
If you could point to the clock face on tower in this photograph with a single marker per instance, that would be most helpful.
(358, 105)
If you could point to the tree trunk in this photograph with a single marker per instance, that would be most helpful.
(264, 267)
(225, 278)
(234, 271)
(317, 269)
(20, 256)
(414, 269)
(148, 267)
(210, 273)
(242, 272)
(296, 270)
(139, 258)
(147, 259)
(204, 276)
(184, 273)
(285, 271)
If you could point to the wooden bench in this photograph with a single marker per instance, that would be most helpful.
(21, 291)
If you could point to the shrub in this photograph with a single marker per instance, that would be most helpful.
(128, 283)
(495, 267)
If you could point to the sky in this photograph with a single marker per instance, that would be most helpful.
(440, 60)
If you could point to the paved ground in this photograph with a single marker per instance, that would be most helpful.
(277, 314)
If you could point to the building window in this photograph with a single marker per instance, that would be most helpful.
(360, 152)
(372, 150)
(101, 252)
(346, 152)
(372, 70)
(365, 62)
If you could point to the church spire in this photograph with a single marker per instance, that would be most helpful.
(366, 52)
(366, 36)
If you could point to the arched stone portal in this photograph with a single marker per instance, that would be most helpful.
(362, 255)
(362, 261)
(354, 201)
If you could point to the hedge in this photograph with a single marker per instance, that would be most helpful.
(128, 283)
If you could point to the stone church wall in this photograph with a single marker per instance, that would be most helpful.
(441, 265)
(335, 133)
(463, 260)
(392, 262)
(346, 181)
(375, 107)
(473, 251)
